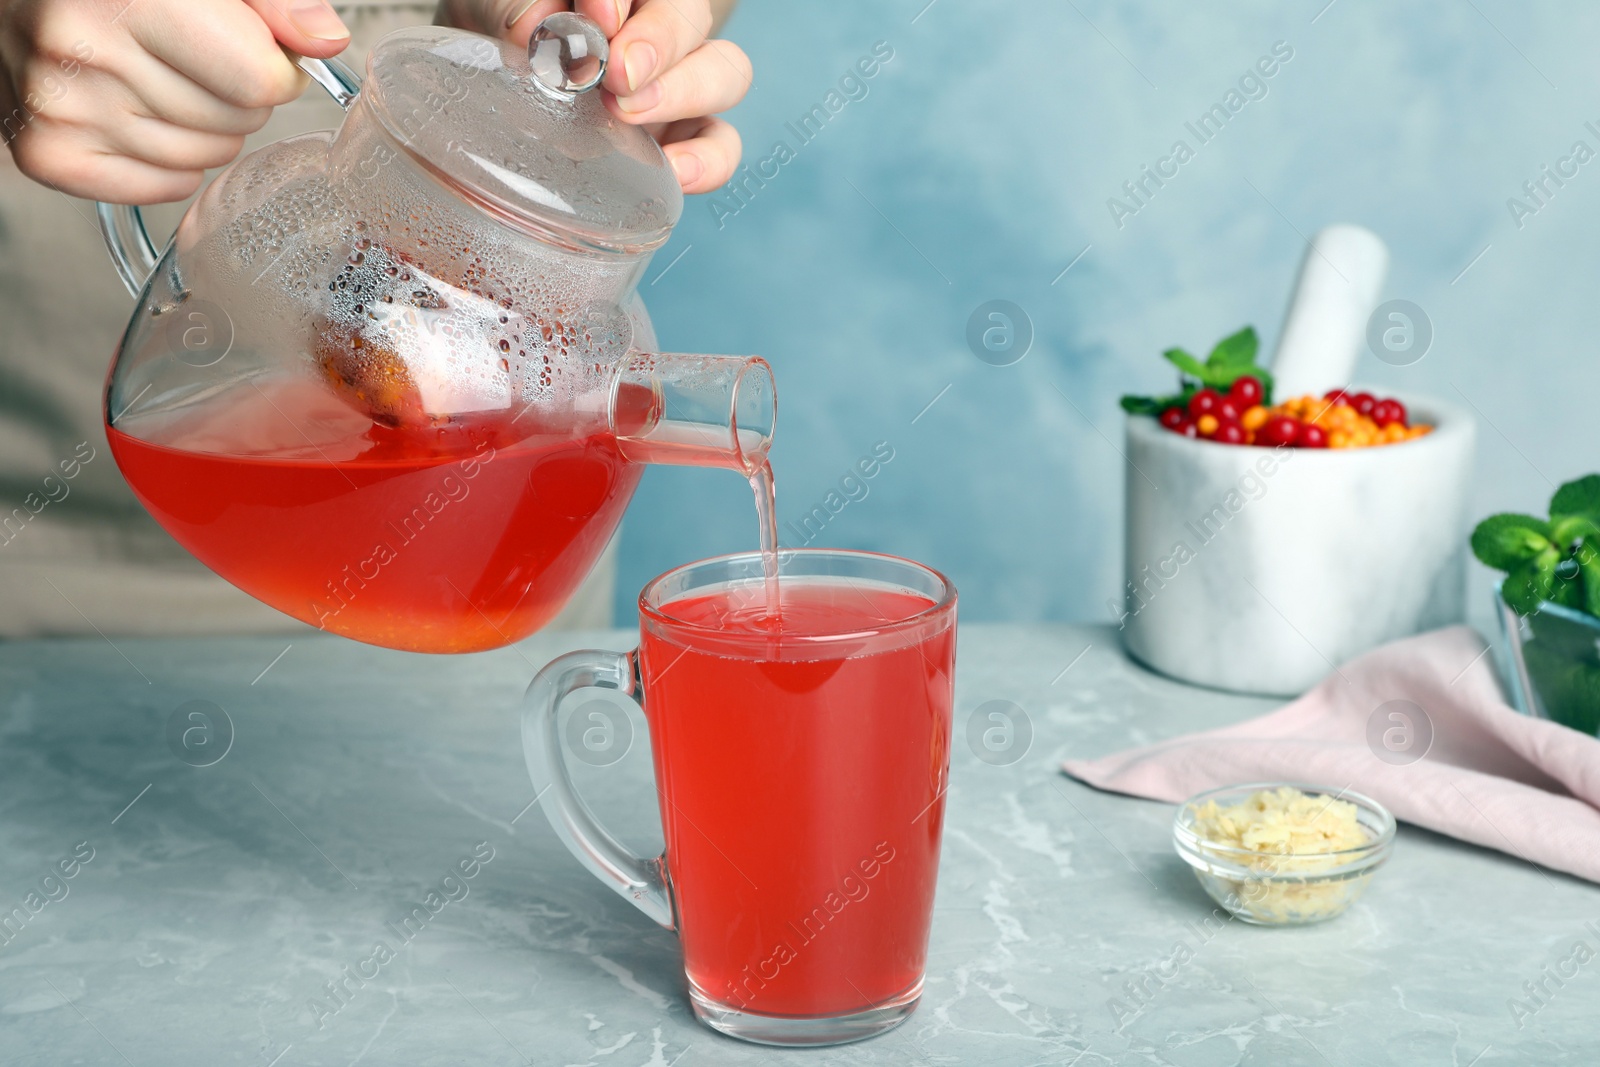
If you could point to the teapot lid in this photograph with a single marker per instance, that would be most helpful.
(522, 133)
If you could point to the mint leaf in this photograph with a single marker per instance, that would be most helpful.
(1531, 582)
(1558, 560)
(1266, 386)
(1568, 591)
(1232, 358)
(1565, 529)
(1580, 497)
(1588, 558)
(1155, 405)
(1235, 350)
(1186, 363)
(1506, 540)
(1220, 378)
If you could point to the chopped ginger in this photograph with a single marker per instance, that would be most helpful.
(1282, 821)
(1273, 825)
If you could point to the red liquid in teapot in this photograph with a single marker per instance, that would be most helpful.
(428, 540)
(802, 793)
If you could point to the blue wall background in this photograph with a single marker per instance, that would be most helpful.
(978, 166)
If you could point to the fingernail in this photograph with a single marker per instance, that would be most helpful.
(519, 11)
(316, 19)
(643, 100)
(639, 62)
(688, 167)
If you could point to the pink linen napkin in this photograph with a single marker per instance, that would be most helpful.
(1491, 776)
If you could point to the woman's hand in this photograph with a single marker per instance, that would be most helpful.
(665, 74)
(131, 100)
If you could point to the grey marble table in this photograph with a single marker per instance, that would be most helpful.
(220, 901)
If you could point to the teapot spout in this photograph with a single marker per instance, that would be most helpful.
(698, 411)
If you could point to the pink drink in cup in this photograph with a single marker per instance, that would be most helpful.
(801, 760)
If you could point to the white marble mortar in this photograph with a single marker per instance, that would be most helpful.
(1258, 570)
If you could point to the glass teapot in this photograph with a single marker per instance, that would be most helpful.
(395, 379)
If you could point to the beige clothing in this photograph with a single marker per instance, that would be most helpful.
(77, 552)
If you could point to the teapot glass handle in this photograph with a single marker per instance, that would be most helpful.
(122, 225)
(335, 76)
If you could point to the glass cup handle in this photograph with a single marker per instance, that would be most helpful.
(122, 225)
(641, 881)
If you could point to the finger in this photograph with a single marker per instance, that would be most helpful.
(523, 15)
(79, 166)
(101, 110)
(653, 40)
(120, 180)
(168, 95)
(304, 27)
(704, 152)
(609, 14)
(170, 147)
(230, 53)
(712, 79)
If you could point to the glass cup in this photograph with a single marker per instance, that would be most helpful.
(801, 767)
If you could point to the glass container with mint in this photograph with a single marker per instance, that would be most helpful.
(1549, 602)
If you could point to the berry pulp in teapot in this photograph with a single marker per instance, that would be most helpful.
(431, 539)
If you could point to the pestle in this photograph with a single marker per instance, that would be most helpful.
(1340, 281)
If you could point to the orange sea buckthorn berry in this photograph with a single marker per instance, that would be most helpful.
(1206, 424)
(1343, 422)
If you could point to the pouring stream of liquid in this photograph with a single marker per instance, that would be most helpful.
(766, 490)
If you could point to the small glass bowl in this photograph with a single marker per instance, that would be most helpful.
(1272, 889)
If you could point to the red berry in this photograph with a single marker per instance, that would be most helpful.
(1338, 397)
(1247, 391)
(1278, 430)
(1229, 433)
(1227, 409)
(1311, 436)
(1363, 403)
(1204, 402)
(1399, 411)
(1187, 428)
(1171, 417)
(1383, 412)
